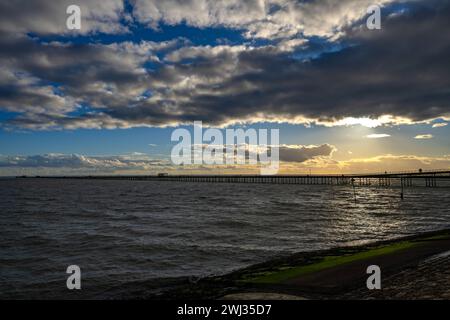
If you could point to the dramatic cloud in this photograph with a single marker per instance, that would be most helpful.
(400, 73)
(242, 153)
(48, 84)
(305, 153)
(137, 162)
(266, 19)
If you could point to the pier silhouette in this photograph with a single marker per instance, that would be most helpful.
(419, 178)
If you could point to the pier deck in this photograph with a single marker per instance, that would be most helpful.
(437, 178)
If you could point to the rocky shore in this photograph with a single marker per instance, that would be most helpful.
(416, 267)
(428, 280)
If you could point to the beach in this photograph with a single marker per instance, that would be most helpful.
(413, 268)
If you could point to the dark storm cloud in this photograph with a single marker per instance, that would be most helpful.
(402, 70)
(304, 153)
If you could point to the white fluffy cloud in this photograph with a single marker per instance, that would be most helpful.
(424, 137)
(258, 18)
(73, 161)
(268, 19)
(200, 13)
(378, 136)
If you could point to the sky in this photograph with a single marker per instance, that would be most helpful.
(106, 99)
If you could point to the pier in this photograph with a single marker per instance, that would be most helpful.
(430, 179)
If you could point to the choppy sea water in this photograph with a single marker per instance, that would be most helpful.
(125, 235)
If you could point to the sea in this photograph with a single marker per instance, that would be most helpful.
(131, 238)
